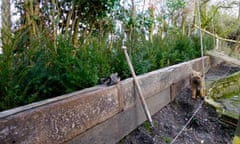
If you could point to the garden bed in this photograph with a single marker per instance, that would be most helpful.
(204, 128)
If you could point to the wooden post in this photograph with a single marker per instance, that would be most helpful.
(120, 97)
(144, 104)
(172, 91)
(217, 43)
(236, 139)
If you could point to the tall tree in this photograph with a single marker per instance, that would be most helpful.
(152, 16)
(174, 9)
(239, 10)
(73, 18)
(6, 23)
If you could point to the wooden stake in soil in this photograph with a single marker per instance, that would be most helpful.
(138, 86)
(236, 139)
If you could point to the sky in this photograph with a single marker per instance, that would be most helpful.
(233, 11)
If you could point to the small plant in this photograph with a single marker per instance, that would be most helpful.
(167, 139)
(147, 126)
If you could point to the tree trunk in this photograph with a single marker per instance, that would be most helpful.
(54, 28)
(151, 29)
(67, 33)
(239, 10)
(6, 24)
(194, 18)
(29, 22)
(76, 32)
(183, 24)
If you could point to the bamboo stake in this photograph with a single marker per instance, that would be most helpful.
(201, 41)
(146, 111)
(216, 36)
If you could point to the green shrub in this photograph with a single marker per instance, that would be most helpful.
(42, 71)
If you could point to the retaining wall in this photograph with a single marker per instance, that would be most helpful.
(97, 115)
(223, 95)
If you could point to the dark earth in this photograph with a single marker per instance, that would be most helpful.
(204, 128)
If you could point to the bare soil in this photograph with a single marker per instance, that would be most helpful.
(203, 129)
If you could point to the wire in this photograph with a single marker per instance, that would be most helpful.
(201, 40)
(199, 107)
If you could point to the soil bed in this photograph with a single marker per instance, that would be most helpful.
(203, 129)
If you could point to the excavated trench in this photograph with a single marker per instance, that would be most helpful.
(205, 128)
